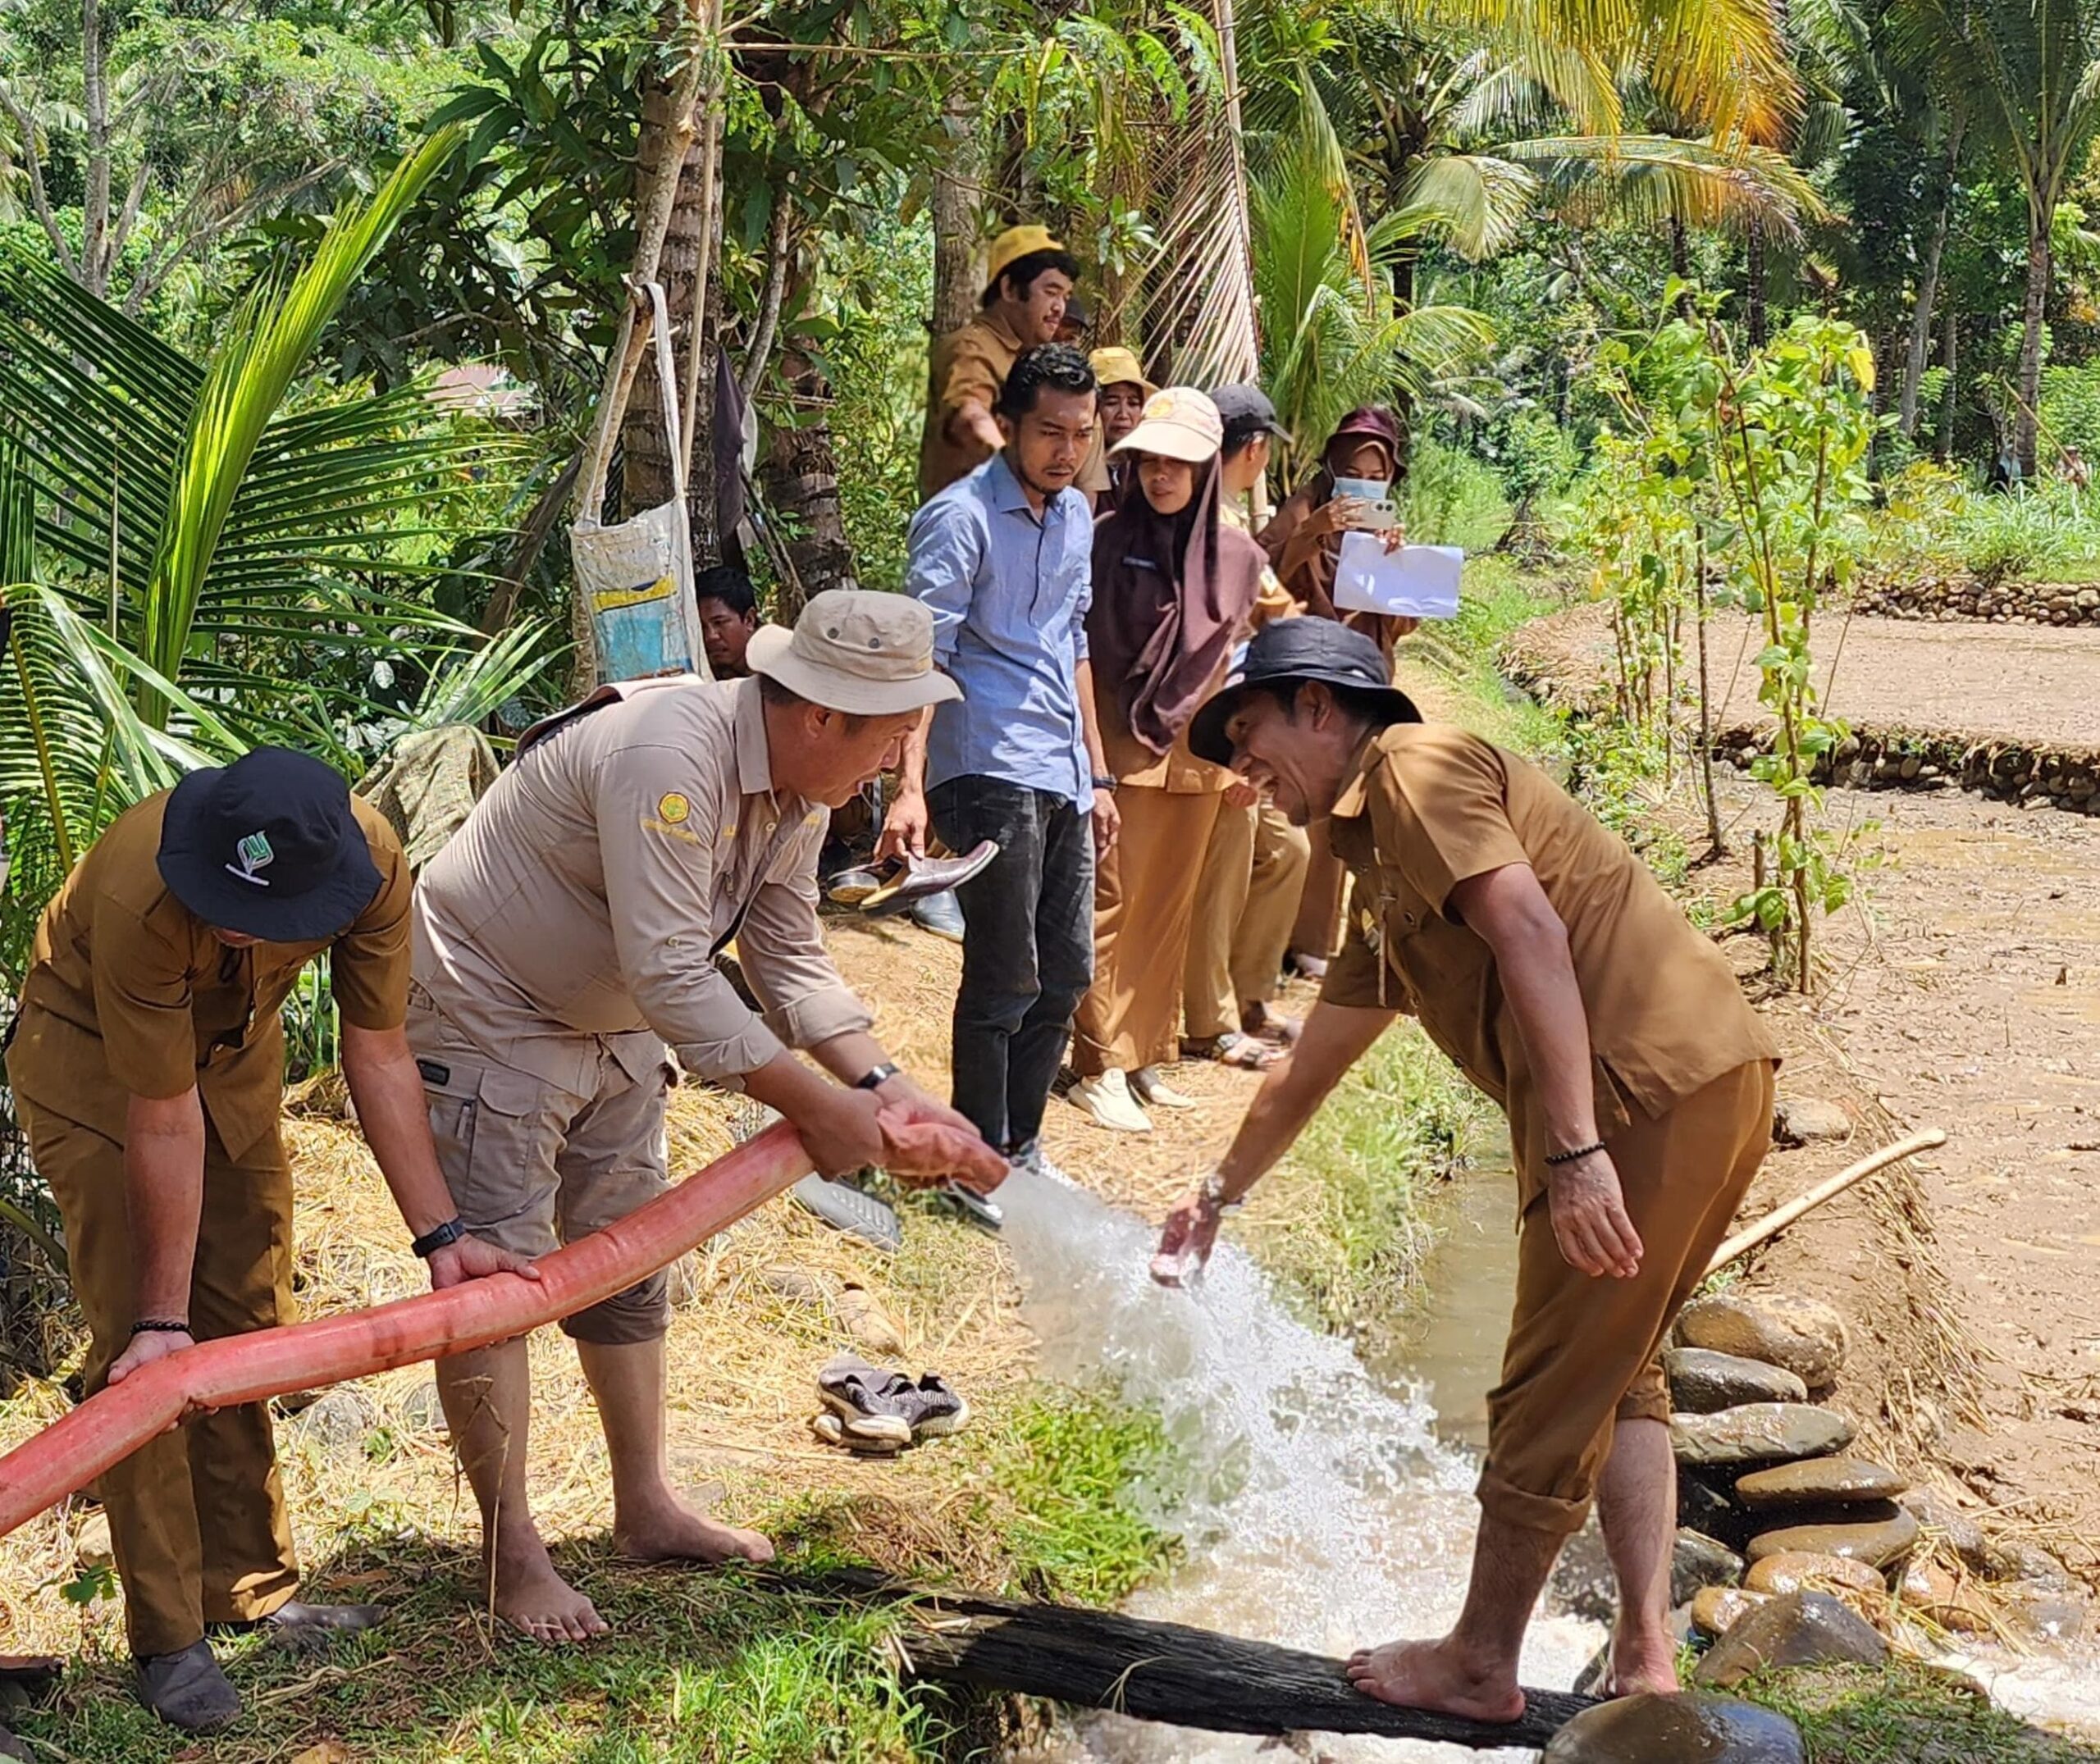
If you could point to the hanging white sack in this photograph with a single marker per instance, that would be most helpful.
(635, 578)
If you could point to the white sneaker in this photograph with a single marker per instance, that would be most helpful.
(1154, 1089)
(1108, 1100)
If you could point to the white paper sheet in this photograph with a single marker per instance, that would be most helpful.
(1417, 582)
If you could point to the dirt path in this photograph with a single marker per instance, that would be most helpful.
(1964, 994)
(2036, 684)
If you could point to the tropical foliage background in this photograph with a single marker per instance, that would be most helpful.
(307, 311)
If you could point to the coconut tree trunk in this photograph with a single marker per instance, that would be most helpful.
(958, 204)
(1754, 319)
(798, 469)
(1951, 336)
(1921, 314)
(2032, 312)
(646, 478)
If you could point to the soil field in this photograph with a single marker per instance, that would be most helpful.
(1963, 991)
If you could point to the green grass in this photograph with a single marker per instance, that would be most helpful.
(1906, 1714)
(701, 1667)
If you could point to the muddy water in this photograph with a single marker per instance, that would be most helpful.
(1329, 1505)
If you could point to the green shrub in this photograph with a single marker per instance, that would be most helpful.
(1452, 499)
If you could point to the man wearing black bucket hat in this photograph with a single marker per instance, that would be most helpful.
(147, 1062)
(1538, 952)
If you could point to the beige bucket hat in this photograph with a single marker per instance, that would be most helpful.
(853, 649)
(1179, 423)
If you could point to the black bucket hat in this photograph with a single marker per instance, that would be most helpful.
(267, 846)
(1296, 649)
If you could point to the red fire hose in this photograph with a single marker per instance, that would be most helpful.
(114, 1423)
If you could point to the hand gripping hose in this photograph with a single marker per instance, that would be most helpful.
(114, 1423)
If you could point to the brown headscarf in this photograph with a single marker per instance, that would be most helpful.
(1173, 594)
(1306, 562)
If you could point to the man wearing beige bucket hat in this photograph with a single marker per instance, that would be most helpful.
(566, 941)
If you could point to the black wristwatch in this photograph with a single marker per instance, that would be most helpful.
(1105, 783)
(875, 1077)
(438, 1236)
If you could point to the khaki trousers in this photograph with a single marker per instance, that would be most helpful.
(196, 1516)
(1144, 900)
(1245, 902)
(1584, 1353)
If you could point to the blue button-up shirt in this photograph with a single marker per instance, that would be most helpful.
(1009, 594)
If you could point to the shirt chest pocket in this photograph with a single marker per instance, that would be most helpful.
(1394, 919)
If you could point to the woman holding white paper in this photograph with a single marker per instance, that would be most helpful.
(1350, 493)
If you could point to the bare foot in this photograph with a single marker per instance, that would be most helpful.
(675, 1533)
(534, 1600)
(1643, 1662)
(1431, 1675)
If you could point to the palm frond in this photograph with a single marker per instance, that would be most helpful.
(271, 339)
(1481, 199)
(1649, 178)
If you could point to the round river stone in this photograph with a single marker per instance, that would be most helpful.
(1702, 1381)
(1697, 1560)
(1804, 1335)
(1801, 1629)
(1715, 1608)
(1877, 1542)
(1818, 1480)
(1689, 1728)
(1759, 1433)
(1797, 1573)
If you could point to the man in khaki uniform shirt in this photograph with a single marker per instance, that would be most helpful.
(1028, 278)
(1538, 953)
(567, 935)
(147, 1059)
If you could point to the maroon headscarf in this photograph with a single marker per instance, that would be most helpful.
(1172, 595)
(1306, 562)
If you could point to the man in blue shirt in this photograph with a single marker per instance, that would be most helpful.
(1003, 557)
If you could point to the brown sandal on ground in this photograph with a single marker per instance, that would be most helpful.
(1246, 1053)
(1271, 1026)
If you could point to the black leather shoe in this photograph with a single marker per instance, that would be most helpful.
(188, 1690)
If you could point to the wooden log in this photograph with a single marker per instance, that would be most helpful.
(1780, 1217)
(1159, 1671)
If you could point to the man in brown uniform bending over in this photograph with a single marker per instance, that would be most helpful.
(1539, 953)
(571, 931)
(149, 1061)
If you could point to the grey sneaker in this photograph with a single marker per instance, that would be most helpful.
(336, 1619)
(188, 1690)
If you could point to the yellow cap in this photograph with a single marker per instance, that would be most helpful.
(1119, 367)
(1012, 245)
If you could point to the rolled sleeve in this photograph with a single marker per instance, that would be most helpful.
(142, 996)
(368, 965)
(974, 374)
(1447, 795)
(781, 949)
(945, 551)
(659, 812)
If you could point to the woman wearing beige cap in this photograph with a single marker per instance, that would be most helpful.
(1176, 590)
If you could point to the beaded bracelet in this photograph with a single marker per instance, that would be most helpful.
(1576, 1155)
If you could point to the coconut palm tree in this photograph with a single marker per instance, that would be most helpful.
(2027, 73)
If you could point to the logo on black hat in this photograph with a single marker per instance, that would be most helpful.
(254, 853)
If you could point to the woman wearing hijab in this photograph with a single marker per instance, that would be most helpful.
(1303, 542)
(1176, 590)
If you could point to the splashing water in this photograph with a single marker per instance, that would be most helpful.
(1320, 1511)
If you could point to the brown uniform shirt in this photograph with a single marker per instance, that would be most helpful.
(128, 994)
(587, 896)
(972, 362)
(1434, 805)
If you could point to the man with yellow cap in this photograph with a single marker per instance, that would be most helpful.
(1029, 278)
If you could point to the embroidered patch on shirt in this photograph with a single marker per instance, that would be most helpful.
(673, 807)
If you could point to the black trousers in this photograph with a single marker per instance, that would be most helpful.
(1027, 947)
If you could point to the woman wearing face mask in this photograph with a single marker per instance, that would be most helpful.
(1176, 590)
(1303, 542)
(1305, 538)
